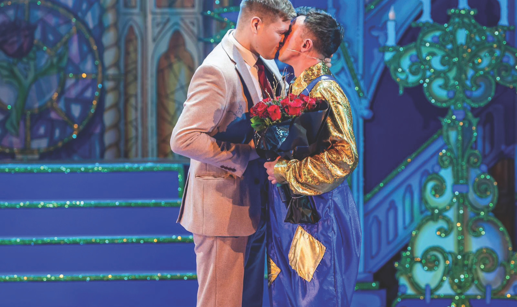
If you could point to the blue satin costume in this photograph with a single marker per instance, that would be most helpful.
(317, 264)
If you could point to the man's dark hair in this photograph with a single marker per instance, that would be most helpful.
(326, 33)
(270, 8)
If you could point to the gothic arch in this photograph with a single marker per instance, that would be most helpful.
(131, 107)
(376, 240)
(392, 222)
(408, 206)
(175, 68)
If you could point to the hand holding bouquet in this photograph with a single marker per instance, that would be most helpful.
(293, 127)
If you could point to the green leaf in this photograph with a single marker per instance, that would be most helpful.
(258, 123)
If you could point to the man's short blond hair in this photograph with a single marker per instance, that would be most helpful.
(267, 9)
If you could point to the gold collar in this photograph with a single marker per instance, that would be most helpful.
(308, 76)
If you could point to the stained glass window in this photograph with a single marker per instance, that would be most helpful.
(175, 69)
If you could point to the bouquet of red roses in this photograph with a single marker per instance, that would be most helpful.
(293, 127)
(270, 111)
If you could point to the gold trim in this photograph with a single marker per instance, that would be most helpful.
(325, 171)
(273, 270)
(305, 254)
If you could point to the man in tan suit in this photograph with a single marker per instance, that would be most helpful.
(226, 188)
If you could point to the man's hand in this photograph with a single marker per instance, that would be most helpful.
(328, 61)
(270, 169)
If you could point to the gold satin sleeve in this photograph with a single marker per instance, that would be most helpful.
(324, 172)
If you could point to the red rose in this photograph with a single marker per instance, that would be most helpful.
(260, 109)
(274, 112)
(303, 97)
(285, 102)
(295, 107)
(311, 104)
(294, 111)
(305, 100)
(297, 103)
(267, 100)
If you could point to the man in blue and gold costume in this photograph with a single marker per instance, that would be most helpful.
(316, 264)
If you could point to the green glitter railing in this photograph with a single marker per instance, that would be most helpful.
(97, 277)
(402, 166)
(127, 277)
(90, 204)
(91, 168)
(98, 240)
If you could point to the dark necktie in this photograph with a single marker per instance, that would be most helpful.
(267, 90)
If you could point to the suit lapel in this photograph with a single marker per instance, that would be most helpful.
(246, 76)
(240, 66)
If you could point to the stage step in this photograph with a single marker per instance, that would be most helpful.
(108, 221)
(28, 182)
(102, 235)
(177, 293)
(42, 259)
(447, 300)
(63, 226)
(112, 293)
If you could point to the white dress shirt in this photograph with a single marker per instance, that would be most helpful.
(250, 60)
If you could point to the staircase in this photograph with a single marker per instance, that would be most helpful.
(94, 235)
(102, 235)
(394, 208)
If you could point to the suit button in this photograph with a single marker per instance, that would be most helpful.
(257, 181)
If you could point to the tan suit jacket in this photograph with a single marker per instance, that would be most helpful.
(222, 195)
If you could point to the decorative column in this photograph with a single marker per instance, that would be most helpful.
(111, 57)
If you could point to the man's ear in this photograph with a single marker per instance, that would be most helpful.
(307, 45)
(255, 24)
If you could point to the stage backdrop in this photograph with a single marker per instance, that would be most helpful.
(90, 80)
